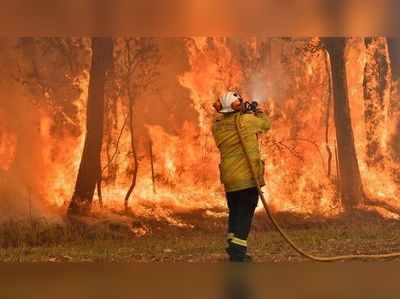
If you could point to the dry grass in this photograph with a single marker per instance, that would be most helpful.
(201, 240)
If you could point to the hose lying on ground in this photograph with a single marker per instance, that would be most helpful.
(282, 232)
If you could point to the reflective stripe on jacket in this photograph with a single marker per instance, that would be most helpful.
(234, 170)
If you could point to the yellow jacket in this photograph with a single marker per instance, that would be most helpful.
(234, 170)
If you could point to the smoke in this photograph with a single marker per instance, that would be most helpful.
(30, 121)
(21, 183)
(258, 88)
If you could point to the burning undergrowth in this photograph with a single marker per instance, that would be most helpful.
(130, 229)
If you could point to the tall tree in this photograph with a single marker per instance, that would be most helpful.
(376, 84)
(394, 108)
(89, 169)
(135, 69)
(394, 54)
(351, 188)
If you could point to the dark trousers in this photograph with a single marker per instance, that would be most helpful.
(242, 205)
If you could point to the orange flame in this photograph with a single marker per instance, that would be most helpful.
(300, 154)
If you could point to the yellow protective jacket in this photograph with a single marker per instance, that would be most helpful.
(234, 170)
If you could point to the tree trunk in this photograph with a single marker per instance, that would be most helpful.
(394, 106)
(99, 192)
(376, 83)
(89, 169)
(351, 189)
(134, 154)
(328, 113)
(153, 179)
(394, 55)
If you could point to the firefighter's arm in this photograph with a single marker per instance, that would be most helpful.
(261, 122)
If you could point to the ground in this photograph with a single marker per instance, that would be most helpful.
(194, 237)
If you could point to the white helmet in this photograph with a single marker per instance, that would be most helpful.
(227, 100)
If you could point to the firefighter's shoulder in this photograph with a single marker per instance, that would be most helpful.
(218, 117)
(217, 120)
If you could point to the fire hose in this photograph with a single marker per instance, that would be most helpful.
(299, 250)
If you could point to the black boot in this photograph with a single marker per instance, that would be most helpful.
(238, 254)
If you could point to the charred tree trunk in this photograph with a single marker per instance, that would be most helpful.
(153, 179)
(89, 169)
(375, 84)
(394, 55)
(99, 192)
(351, 189)
(328, 113)
(134, 155)
(394, 106)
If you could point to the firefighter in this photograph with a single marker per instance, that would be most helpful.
(235, 174)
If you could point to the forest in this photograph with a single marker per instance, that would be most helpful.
(106, 151)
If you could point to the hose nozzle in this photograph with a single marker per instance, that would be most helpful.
(250, 106)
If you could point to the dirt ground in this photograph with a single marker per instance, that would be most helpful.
(194, 237)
